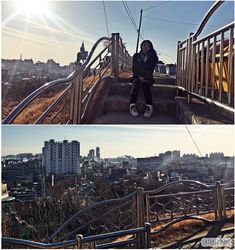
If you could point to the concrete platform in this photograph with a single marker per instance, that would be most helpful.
(126, 118)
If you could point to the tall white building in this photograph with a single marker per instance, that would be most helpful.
(61, 158)
(97, 154)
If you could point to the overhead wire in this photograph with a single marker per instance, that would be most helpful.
(106, 19)
(129, 14)
(128, 11)
(156, 5)
(161, 53)
(172, 21)
(193, 141)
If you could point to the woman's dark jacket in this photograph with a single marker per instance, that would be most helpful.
(144, 69)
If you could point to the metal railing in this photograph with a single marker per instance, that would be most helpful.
(139, 238)
(205, 66)
(73, 95)
(105, 216)
(190, 201)
(128, 216)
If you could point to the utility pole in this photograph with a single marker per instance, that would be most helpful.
(138, 38)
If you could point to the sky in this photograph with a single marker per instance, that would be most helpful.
(42, 30)
(119, 140)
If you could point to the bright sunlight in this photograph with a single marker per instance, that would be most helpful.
(33, 7)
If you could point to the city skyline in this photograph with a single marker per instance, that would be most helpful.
(56, 29)
(114, 141)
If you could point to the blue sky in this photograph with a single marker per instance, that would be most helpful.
(60, 29)
(138, 141)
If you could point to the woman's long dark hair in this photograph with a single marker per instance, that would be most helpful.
(150, 43)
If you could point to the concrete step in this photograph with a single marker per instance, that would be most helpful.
(126, 118)
(118, 103)
(124, 89)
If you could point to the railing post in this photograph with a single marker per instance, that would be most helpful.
(134, 211)
(148, 235)
(140, 207)
(147, 202)
(191, 65)
(77, 99)
(79, 238)
(117, 54)
(188, 66)
(140, 215)
(220, 207)
(178, 66)
(113, 55)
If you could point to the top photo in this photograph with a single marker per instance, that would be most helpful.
(117, 62)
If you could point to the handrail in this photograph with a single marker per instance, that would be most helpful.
(177, 182)
(114, 234)
(93, 50)
(105, 202)
(91, 221)
(216, 32)
(220, 188)
(76, 79)
(43, 116)
(207, 16)
(180, 194)
(97, 56)
(69, 243)
(182, 219)
(29, 243)
(23, 104)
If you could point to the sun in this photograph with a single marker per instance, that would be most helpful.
(33, 7)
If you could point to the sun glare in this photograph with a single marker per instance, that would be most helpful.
(33, 7)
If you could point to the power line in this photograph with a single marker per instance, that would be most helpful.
(128, 11)
(106, 20)
(172, 21)
(193, 141)
(156, 5)
(161, 53)
(130, 16)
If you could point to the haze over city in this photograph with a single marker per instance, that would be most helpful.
(114, 141)
(56, 29)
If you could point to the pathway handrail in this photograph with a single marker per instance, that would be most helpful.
(207, 17)
(182, 219)
(199, 71)
(33, 244)
(77, 79)
(105, 202)
(47, 86)
(86, 239)
(93, 50)
(43, 116)
(175, 183)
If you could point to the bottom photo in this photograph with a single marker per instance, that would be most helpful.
(111, 186)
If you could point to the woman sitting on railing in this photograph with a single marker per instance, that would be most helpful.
(143, 66)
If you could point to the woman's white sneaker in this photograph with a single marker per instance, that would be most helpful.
(133, 110)
(148, 111)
